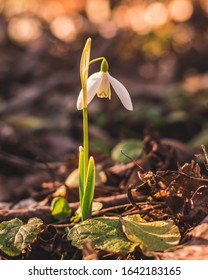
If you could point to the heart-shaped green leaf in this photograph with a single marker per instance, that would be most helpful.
(15, 235)
(151, 236)
(105, 233)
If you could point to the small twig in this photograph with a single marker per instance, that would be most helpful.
(197, 190)
(110, 209)
(153, 205)
(63, 225)
(206, 156)
(146, 209)
(193, 178)
(114, 208)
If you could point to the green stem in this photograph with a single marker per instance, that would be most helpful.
(96, 59)
(85, 142)
(85, 129)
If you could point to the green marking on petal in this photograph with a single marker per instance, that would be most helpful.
(102, 94)
(109, 92)
(104, 88)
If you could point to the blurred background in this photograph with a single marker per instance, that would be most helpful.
(157, 49)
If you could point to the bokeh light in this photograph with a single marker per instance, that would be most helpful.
(13, 8)
(64, 28)
(24, 29)
(52, 10)
(121, 12)
(98, 11)
(159, 25)
(156, 14)
(204, 5)
(108, 29)
(180, 10)
(182, 38)
(138, 23)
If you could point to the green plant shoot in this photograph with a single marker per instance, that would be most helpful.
(98, 83)
(86, 186)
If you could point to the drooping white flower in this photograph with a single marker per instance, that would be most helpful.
(99, 83)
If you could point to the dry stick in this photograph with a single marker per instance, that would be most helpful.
(110, 209)
(44, 212)
(206, 156)
(146, 209)
(114, 208)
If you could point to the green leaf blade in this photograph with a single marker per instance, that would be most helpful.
(60, 209)
(89, 191)
(105, 233)
(151, 236)
(14, 235)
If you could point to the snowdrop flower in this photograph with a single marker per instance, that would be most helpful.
(99, 83)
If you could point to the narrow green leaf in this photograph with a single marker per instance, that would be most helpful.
(151, 236)
(60, 208)
(89, 191)
(81, 174)
(15, 235)
(105, 233)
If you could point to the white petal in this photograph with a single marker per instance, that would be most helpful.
(122, 92)
(93, 83)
